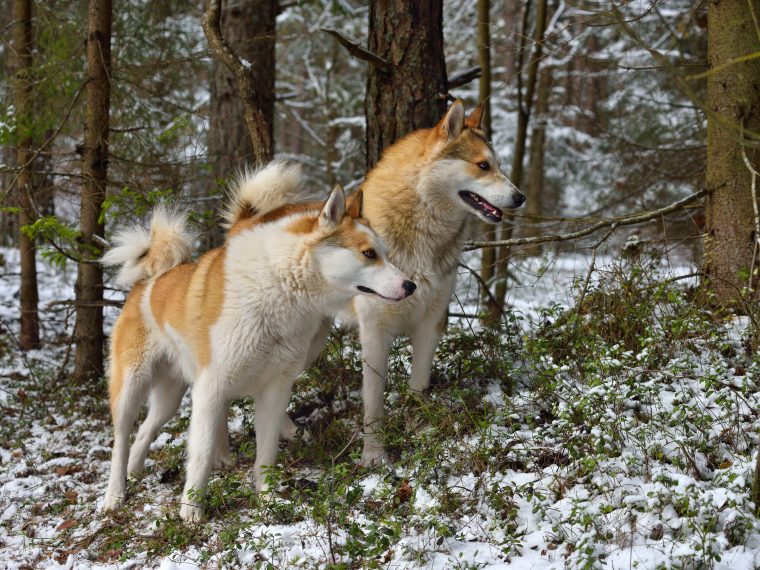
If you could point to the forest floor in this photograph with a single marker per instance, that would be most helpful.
(610, 422)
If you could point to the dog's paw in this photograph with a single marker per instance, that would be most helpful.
(113, 501)
(372, 456)
(419, 385)
(135, 467)
(191, 513)
(223, 459)
(290, 431)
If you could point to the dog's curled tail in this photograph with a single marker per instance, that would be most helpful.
(257, 192)
(146, 254)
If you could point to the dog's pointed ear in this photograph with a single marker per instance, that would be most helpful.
(452, 124)
(355, 203)
(474, 119)
(334, 209)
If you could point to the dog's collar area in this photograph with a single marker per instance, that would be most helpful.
(488, 210)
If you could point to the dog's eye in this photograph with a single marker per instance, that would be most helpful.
(370, 253)
(483, 165)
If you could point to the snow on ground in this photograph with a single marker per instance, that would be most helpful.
(629, 461)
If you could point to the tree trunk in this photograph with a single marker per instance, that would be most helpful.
(524, 106)
(28, 296)
(511, 15)
(410, 94)
(243, 70)
(535, 191)
(88, 329)
(487, 262)
(733, 93)
(249, 26)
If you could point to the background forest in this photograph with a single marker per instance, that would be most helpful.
(596, 394)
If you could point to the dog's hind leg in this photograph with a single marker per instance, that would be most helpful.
(209, 411)
(128, 388)
(425, 339)
(163, 402)
(376, 345)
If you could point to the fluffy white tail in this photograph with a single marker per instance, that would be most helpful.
(146, 254)
(257, 192)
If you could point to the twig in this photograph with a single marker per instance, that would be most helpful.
(483, 285)
(587, 281)
(617, 222)
(332, 494)
(75, 303)
(44, 145)
(358, 51)
(753, 187)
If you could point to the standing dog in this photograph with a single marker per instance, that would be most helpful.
(418, 198)
(238, 322)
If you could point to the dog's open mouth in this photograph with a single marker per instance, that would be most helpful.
(369, 291)
(489, 211)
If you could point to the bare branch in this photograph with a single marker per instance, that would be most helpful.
(465, 76)
(616, 222)
(358, 51)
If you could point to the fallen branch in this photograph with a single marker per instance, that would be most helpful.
(617, 222)
(254, 120)
(358, 51)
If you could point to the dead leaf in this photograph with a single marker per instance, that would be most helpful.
(68, 523)
(67, 469)
(404, 492)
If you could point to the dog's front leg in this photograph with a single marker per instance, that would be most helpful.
(288, 428)
(376, 345)
(271, 404)
(425, 339)
(222, 453)
(208, 412)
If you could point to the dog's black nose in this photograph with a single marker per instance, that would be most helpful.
(519, 199)
(409, 287)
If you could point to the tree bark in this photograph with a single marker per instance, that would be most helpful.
(535, 191)
(258, 129)
(524, 107)
(511, 14)
(411, 93)
(733, 93)
(88, 329)
(29, 337)
(249, 26)
(487, 262)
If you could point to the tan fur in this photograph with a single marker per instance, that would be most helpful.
(162, 254)
(359, 242)
(273, 216)
(189, 298)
